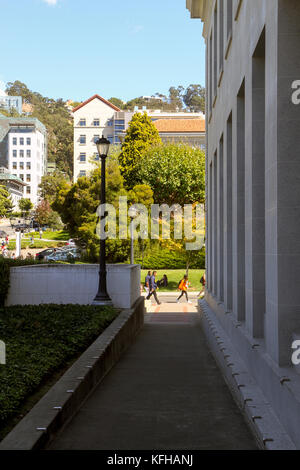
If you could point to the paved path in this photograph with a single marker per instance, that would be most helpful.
(165, 393)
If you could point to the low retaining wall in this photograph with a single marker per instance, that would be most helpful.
(72, 284)
(64, 399)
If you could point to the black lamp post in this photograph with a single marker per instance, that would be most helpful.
(102, 297)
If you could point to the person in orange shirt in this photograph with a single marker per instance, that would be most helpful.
(183, 286)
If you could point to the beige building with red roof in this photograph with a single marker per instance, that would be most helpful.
(190, 131)
(92, 119)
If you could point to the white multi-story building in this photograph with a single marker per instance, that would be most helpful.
(96, 117)
(23, 151)
(92, 119)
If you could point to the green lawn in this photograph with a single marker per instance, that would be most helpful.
(41, 244)
(60, 235)
(175, 275)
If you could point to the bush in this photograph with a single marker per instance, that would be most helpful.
(39, 341)
(164, 258)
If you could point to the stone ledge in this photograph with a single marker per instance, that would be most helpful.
(257, 410)
(64, 399)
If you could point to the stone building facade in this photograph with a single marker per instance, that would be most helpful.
(253, 204)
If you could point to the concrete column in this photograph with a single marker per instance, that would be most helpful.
(228, 215)
(255, 194)
(215, 253)
(238, 188)
(220, 228)
(210, 229)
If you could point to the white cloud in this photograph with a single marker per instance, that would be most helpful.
(51, 2)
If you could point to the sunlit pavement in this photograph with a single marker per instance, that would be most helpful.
(166, 392)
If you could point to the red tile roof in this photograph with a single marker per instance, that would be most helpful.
(99, 98)
(180, 125)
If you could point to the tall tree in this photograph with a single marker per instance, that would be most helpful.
(6, 205)
(175, 97)
(175, 173)
(140, 136)
(117, 102)
(194, 98)
(25, 205)
(51, 184)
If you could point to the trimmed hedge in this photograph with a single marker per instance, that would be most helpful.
(164, 258)
(39, 341)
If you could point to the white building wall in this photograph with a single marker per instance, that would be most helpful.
(95, 109)
(29, 168)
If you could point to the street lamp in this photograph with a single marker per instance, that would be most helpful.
(102, 297)
(132, 212)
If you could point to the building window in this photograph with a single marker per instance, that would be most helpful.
(82, 139)
(96, 137)
(96, 122)
(110, 138)
(120, 122)
(82, 157)
(28, 153)
(14, 153)
(229, 19)
(21, 141)
(82, 122)
(21, 153)
(110, 122)
(21, 165)
(221, 35)
(28, 190)
(28, 178)
(96, 156)
(117, 140)
(14, 165)
(28, 141)
(82, 173)
(21, 177)
(14, 141)
(28, 165)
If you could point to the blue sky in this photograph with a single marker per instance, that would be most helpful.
(124, 48)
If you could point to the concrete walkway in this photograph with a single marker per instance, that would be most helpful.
(165, 393)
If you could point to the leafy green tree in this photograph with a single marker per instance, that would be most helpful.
(140, 136)
(25, 205)
(175, 173)
(175, 98)
(46, 216)
(117, 102)
(51, 184)
(6, 205)
(141, 194)
(194, 98)
(77, 205)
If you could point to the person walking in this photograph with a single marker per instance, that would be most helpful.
(203, 283)
(41, 233)
(183, 286)
(147, 283)
(153, 288)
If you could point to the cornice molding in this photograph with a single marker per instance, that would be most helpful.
(201, 9)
